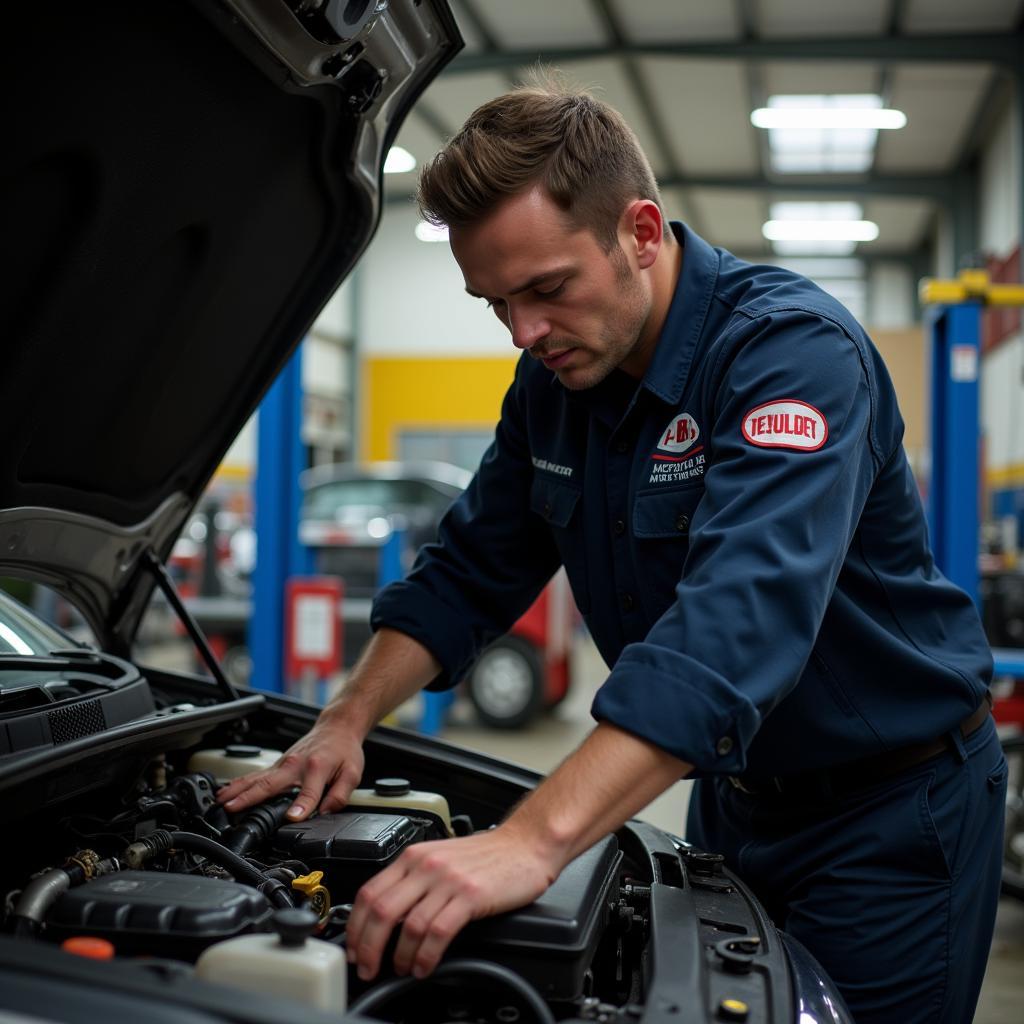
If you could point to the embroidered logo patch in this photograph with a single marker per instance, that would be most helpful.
(680, 434)
(787, 423)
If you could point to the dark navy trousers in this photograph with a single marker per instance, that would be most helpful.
(893, 888)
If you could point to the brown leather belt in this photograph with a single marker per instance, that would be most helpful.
(854, 775)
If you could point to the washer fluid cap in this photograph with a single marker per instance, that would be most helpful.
(391, 787)
(242, 750)
(294, 925)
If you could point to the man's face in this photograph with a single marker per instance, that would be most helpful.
(579, 310)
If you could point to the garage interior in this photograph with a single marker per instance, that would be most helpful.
(403, 368)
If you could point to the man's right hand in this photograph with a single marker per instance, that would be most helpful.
(327, 763)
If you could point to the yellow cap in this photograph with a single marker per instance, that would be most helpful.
(317, 894)
(733, 1009)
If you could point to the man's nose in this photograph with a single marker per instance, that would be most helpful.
(527, 329)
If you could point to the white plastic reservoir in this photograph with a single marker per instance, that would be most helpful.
(398, 795)
(227, 763)
(288, 965)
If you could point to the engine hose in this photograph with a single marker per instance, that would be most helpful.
(36, 899)
(381, 995)
(210, 848)
(257, 826)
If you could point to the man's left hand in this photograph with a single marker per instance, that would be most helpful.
(434, 889)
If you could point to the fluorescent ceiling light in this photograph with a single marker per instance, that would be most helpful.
(427, 232)
(823, 248)
(827, 118)
(399, 161)
(820, 230)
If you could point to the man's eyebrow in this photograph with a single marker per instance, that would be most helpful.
(537, 279)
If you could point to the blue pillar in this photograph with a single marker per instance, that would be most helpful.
(280, 459)
(953, 495)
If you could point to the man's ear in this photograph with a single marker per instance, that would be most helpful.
(643, 223)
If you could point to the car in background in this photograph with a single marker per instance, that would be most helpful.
(352, 512)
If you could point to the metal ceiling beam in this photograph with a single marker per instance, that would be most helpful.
(757, 97)
(609, 20)
(935, 187)
(991, 48)
(991, 106)
(433, 120)
(487, 35)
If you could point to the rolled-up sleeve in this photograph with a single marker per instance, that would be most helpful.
(791, 461)
(491, 559)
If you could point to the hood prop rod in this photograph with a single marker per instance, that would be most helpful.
(166, 585)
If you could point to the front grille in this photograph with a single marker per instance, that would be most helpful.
(85, 719)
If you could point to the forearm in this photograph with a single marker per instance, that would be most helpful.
(392, 668)
(603, 783)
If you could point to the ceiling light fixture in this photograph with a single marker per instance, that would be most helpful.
(820, 230)
(835, 118)
(399, 161)
(427, 232)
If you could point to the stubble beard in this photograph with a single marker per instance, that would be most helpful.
(618, 339)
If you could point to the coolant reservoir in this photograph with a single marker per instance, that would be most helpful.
(227, 763)
(289, 964)
(398, 795)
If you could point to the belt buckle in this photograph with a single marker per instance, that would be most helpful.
(773, 786)
(737, 783)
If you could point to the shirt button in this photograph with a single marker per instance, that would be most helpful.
(619, 527)
(627, 602)
(621, 447)
(682, 522)
(547, 510)
(724, 746)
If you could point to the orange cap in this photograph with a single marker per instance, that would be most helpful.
(89, 946)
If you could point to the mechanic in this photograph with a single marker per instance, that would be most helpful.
(713, 452)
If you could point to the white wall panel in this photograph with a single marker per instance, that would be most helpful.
(1001, 187)
(890, 296)
(1002, 405)
(412, 298)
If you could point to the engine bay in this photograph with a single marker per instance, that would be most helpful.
(125, 856)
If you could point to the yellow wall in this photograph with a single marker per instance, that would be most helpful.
(400, 393)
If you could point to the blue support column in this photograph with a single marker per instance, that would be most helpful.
(953, 495)
(279, 555)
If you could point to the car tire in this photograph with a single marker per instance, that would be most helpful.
(1013, 839)
(506, 684)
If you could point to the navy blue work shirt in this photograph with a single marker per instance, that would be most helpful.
(741, 531)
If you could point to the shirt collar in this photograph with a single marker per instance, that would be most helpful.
(673, 355)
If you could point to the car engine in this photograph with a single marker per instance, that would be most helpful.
(118, 851)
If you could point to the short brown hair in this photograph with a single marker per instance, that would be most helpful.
(578, 148)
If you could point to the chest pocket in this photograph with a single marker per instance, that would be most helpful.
(661, 526)
(558, 505)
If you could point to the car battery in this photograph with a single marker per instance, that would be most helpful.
(350, 847)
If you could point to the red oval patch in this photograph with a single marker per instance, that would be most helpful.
(786, 423)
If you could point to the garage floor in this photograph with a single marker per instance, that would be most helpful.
(542, 746)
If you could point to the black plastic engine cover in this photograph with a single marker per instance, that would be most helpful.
(552, 941)
(159, 914)
(350, 847)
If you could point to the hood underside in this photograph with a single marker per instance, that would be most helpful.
(184, 187)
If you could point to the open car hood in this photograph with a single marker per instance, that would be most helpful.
(185, 185)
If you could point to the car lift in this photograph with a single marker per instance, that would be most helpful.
(953, 317)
